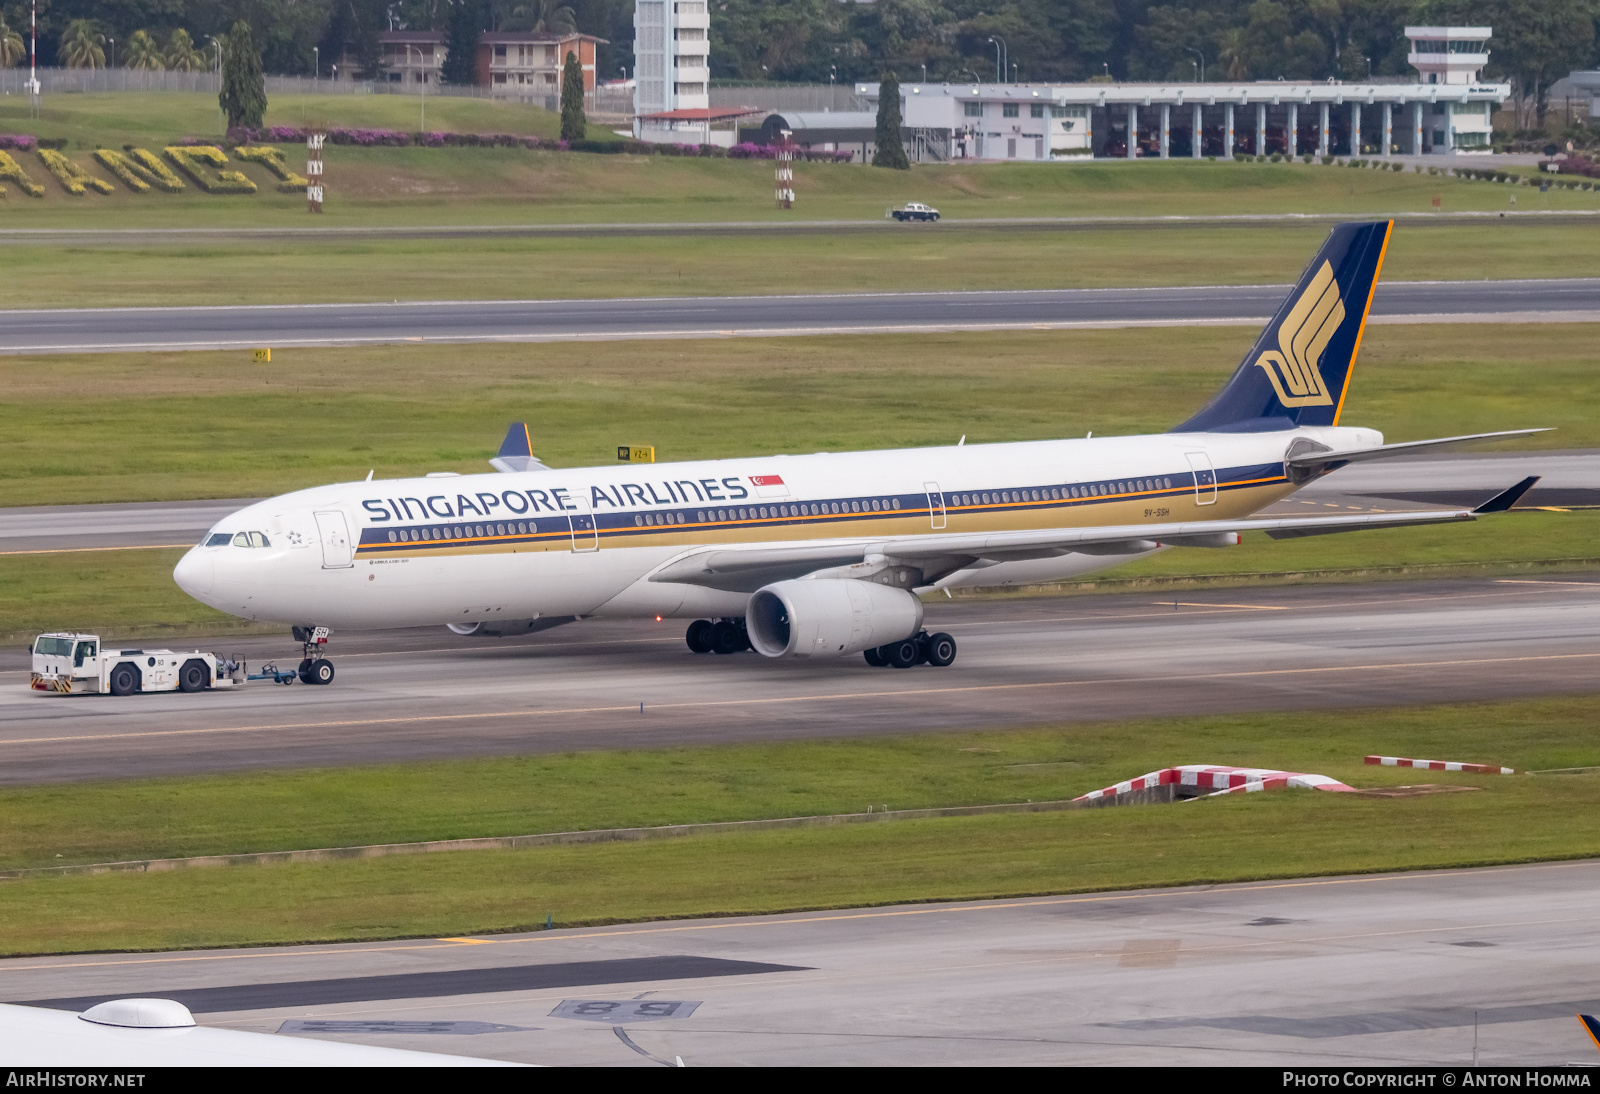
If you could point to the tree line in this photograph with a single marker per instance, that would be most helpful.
(1535, 41)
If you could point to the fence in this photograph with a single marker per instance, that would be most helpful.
(58, 81)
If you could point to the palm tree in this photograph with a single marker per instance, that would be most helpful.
(181, 54)
(80, 45)
(12, 51)
(142, 52)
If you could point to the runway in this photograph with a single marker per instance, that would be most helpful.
(81, 237)
(428, 694)
(93, 330)
(1443, 968)
(1567, 478)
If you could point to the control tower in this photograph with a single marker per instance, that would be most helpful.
(1449, 55)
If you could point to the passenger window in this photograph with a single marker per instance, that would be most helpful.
(392, 537)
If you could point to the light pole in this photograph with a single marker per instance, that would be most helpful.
(422, 117)
(220, 116)
(924, 71)
(113, 43)
(1107, 69)
(999, 72)
(316, 64)
(1014, 67)
(33, 54)
(1201, 68)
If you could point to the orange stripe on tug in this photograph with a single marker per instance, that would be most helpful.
(1440, 765)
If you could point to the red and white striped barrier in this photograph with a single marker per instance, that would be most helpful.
(1440, 765)
(1219, 780)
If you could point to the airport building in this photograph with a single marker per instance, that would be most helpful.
(513, 65)
(1447, 109)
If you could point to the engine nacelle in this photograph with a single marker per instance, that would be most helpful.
(829, 617)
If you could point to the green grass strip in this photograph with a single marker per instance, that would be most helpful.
(1285, 834)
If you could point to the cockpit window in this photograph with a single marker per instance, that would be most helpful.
(242, 539)
(219, 540)
(259, 539)
(246, 539)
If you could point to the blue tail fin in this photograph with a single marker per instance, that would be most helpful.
(1298, 371)
(516, 451)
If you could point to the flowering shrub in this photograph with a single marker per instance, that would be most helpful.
(139, 170)
(11, 169)
(193, 160)
(272, 159)
(74, 179)
(22, 142)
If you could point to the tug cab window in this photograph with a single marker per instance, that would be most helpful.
(85, 649)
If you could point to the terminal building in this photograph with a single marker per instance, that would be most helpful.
(1447, 109)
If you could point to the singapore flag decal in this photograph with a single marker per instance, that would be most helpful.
(770, 486)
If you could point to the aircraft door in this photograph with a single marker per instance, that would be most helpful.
(585, 535)
(1205, 478)
(334, 532)
(936, 513)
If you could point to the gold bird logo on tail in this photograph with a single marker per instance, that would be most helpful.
(1303, 335)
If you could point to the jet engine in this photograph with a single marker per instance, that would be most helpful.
(829, 617)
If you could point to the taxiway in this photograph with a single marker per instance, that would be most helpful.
(88, 330)
(1451, 967)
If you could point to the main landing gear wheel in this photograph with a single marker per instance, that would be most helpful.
(938, 650)
(698, 636)
(902, 654)
(728, 636)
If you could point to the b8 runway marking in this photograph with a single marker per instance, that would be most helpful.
(623, 1011)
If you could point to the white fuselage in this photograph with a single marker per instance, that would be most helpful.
(583, 542)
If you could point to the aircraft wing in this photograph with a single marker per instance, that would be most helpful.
(746, 569)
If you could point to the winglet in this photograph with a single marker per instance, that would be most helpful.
(516, 451)
(1507, 498)
(1591, 1027)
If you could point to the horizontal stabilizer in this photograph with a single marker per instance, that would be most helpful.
(1318, 460)
(516, 451)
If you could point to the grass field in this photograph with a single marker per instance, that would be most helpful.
(212, 424)
(477, 186)
(1268, 835)
(947, 257)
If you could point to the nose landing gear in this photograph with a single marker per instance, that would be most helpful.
(314, 668)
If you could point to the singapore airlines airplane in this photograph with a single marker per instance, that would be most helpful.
(822, 555)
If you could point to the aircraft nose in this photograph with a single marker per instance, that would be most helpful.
(195, 573)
